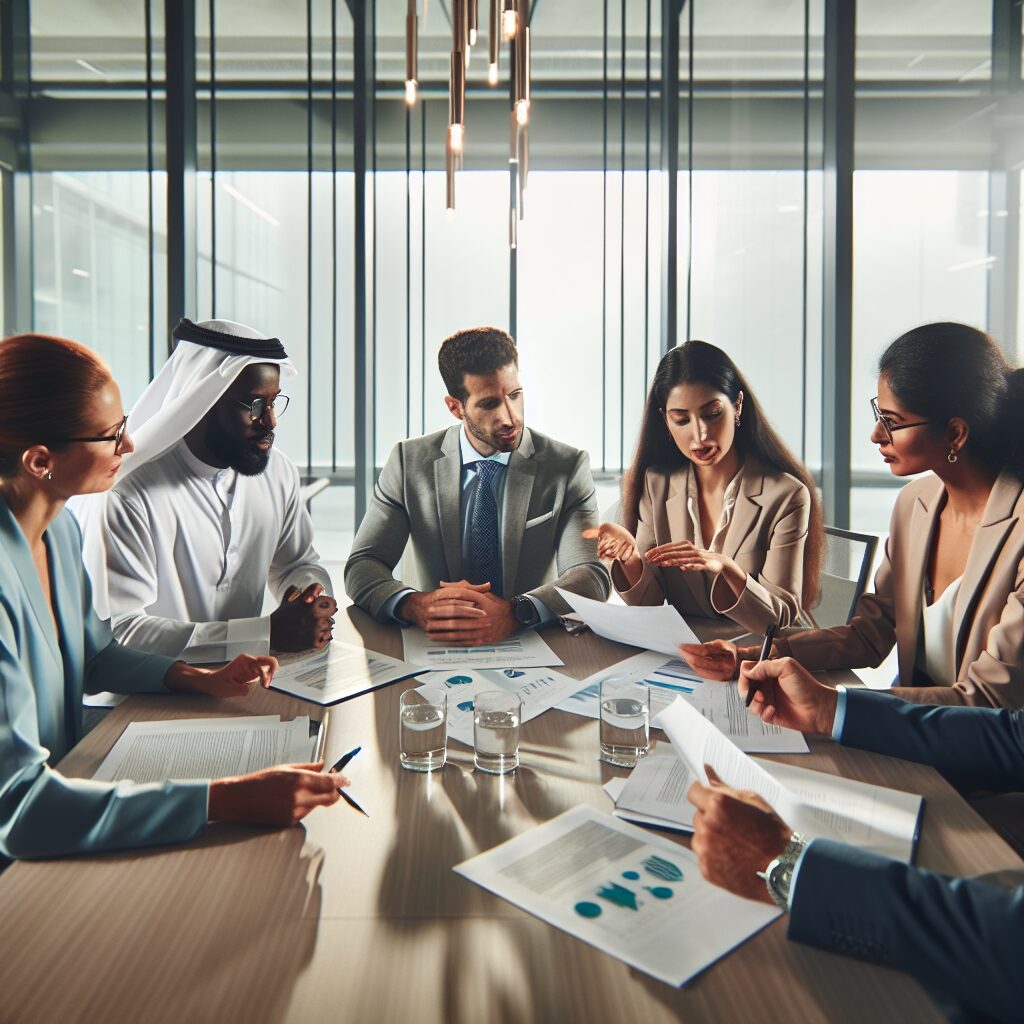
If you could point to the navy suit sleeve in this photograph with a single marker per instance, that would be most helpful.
(974, 748)
(958, 936)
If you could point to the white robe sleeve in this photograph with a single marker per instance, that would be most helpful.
(295, 561)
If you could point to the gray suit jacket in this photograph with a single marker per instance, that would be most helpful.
(549, 501)
(961, 937)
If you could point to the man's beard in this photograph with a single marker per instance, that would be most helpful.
(492, 440)
(238, 453)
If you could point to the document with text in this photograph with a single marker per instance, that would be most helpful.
(523, 650)
(206, 748)
(633, 895)
(338, 672)
(540, 689)
(719, 702)
(815, 804)
(651, 627)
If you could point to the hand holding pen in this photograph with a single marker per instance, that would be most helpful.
(337, 767)
(766, 650)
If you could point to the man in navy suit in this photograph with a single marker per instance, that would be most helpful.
(963, 938)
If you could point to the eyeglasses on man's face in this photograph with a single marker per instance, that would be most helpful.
(258, 407)
(118, 437)
(888, 425)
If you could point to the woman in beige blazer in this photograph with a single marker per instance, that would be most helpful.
(720, 519)
(950, 590)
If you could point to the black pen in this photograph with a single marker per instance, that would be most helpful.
(351, 802)
(766, 650)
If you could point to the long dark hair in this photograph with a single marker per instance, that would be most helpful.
(943, 370)
(46, 385)
(697, 362)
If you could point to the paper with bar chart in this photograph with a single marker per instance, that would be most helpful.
(538, 688)
(630, 894)
(524, 650)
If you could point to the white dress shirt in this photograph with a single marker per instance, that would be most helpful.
(191, 550)
(693, 508)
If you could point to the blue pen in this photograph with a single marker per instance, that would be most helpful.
(344, 759)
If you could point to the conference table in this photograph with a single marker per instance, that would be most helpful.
(353, 918)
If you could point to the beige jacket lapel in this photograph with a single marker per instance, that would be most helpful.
(448, 488)
(997, 521)
(679, 529)
(747, 510)
(915, 547)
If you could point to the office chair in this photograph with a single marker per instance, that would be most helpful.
(844, 575)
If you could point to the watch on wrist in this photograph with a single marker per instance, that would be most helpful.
(525, 611)
(778, 876)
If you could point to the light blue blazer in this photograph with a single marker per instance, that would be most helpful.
(42, 813)
(961, 937)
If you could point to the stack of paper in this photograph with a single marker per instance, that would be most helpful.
(338, 672)
(206, 748)
(539, 689)
(524, 650)
(813, 803)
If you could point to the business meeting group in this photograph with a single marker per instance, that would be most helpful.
(132, 539)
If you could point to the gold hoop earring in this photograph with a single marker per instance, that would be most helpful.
(952, 456)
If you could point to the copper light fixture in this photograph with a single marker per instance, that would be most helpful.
(508, 19)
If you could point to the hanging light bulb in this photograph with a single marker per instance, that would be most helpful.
(411, 54)
(474, 18)
(456, 135)
(493, 41)
(509, 20)
(522, 112)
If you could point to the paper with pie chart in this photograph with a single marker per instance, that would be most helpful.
(633, 895)
(540, 689)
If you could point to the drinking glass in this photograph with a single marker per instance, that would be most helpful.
(497, 715)
(625, 721)
(422, 731)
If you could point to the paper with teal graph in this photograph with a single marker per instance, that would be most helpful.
(538, 688)
(630, 894)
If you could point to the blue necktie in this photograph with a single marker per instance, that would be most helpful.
(484, 543)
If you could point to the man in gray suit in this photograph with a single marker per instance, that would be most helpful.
(960, 937)
(490, 508)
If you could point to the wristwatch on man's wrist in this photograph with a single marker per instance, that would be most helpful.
(778, 876)
(525, 611)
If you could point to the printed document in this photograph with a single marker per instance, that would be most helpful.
(812, 803)
(720, 703)
(523, 650)
(651, 627)
(205, 748)
(538, 688)
(633, 895)
(338, 672)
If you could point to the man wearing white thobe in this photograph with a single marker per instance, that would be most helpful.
(206, 514)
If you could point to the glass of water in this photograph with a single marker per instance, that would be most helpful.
(422, 731)
(625, 721)
(497, 715)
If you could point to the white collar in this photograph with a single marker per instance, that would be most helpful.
(196, 466)
(471, 455)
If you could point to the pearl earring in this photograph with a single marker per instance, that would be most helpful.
(49, 475)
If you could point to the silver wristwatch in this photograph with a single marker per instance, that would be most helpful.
(778, 876)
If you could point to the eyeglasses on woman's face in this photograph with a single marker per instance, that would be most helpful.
(889, 425)
(118, 437)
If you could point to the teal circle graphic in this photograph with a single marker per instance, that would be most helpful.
(634, 875)
(459, 680)
(659, 892)
(586, 909)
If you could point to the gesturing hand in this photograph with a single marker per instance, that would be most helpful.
(303, 620)
(686, 556)
(275, 796)
(236, 679)
(717, 659)
(613, 541)
(788, 695)
(735, 835)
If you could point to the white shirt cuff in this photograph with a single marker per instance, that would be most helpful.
(840, 719)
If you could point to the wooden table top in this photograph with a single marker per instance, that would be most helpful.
(347, 918)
